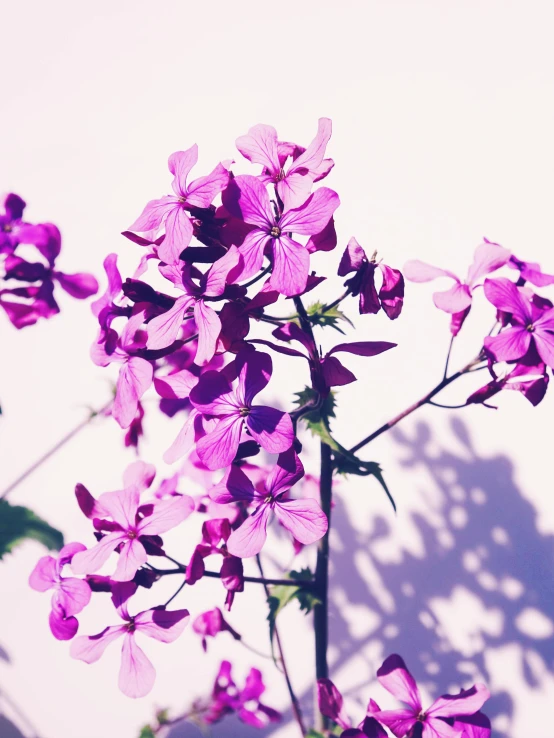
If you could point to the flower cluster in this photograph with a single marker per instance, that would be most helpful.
(450, 716)
(28, 273)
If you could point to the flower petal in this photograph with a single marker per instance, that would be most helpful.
(291, 265)
(399, 722)
(184, 440)
(285, 474)
(252, 253)
(180, 163)
(137, 674)
(488, 257)
(454, 300)
(153, 214)
(260, 147)
(201, 192)
(505, 296)
(254, 202)
(131, 557)
(418, 271)
(87, 562)
(166, 515)
(122, 505)
(396, 679)
(234, 486)
(90, 648)
(164, 329)
(178, 235)
(303, 518)
(254, 370)
(74, 595)
(45, 574)
(313, 215)
(331, 703)
(219, 447)
(510, 344)
(162, 625)
(271, 428)
(209, 328)
(248, 540)
(216, 278)
(466, 702)
(135, 377)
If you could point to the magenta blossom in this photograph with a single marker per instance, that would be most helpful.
(303, 518)
(129, 523)
(450, 716)
(208, 624)
(227, 699)
(164, 329)
(169, 211)
(260, 146)
(391, 294)
(488, 258)
(215, 397)
(137, 674)
(70, 595)
(291, 260)
(530, 325)
(331, 705)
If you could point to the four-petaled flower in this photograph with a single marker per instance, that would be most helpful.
(70, 595)
(137, 674)
(215, 397)
(304, 518)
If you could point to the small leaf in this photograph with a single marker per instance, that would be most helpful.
(314, 734)
(322, 316)
(18, 523)
(147, 732)
(282, 595)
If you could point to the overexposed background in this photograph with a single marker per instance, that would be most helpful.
(443, 115)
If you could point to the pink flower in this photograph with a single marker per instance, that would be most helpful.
(260, 146)
(164, 329)
(447, 717)
(331, 705)
(291, 260)
(70, 595)
(170, 210)
(129, 523)
(488, 258)
(137, 674)
(530, 325)
(215, 397)
(303, 518)
(210, 623)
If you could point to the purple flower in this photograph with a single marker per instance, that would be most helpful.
(529, 377)
(291, 260)
(391, 294)
(170, 210)
(488, 258)
(303, 518)
(164, 329)
(129, 524)
(530, 325)
(227, 699)
(331, 705)
(531, 272)
(260, 146)
(137, 674)
(445, 718)
(70, 595)
(210, 623)
(215, 397)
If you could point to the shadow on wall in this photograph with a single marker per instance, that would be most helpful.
(484, 564)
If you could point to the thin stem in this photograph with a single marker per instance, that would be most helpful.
(448, 357)
(293, 698)
(174, 595)
(260, 276)
(425, 400)
(446, 407)
(55, 448)
(181, 569)
(331, 305)
(321, 609)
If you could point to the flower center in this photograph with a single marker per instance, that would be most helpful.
(275, 232)
(131, 626)
(7, 228)
(281, 175)
(244, 411)
(131, 534)
(421, 717)
(530, 328)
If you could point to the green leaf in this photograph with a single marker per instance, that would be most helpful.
(18, 523)
(282, 595)
(147, 732)
(322, 316)
(314, 734)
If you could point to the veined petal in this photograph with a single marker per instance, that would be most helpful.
(510, 344)
(505, 296)
(178, 235)
(184, 440)
(162, 625)
(135, 377)
(45, 574)
(352, 259)
(248, 540)
(311, 159)
(63, 627)
(418, 271)
(396, 679)
(254, 372)
(331, 703)
(139, 475)
(213, 395)
(87, 562)
(164, 329)
(454, 300)
(286, 473)
(216, 278)
(73, 595)
(122, 505)
(175, 386)
(234, 486)
(90, 648)
(467, 702)
(203, 190)
(488, 258)
(254, 202)
(219, 447)
(474, 726)
(166, 515)
(271, 428)
(294, 189)
(131, 557)
(260, 147)
(180, 163)
(544, 341)
(436, 728)
(399, 722)
(252, 252)
(209, 328)
(313, 215)
(153, 214)
(137, 674)
(291, 266)
(303, 518)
